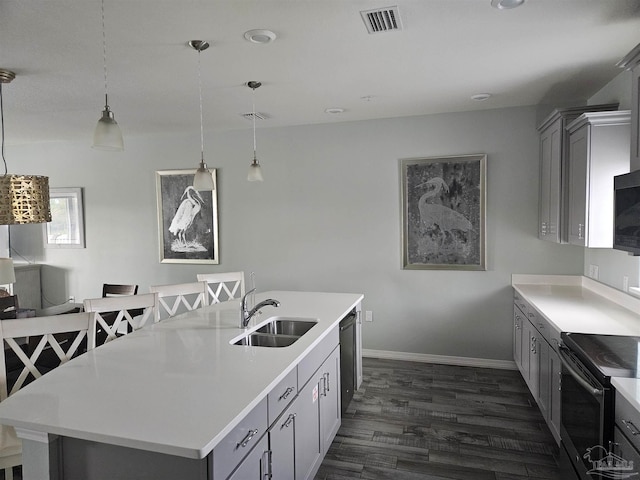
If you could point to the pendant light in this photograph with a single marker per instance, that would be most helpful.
(23, 198)
(107, 135)
(255, 172)
(202, 180)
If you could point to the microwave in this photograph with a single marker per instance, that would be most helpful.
(626, 228)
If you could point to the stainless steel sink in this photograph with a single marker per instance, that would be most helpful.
(287, 327)
(267, 340)
(277, 332)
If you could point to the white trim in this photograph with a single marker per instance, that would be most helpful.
(34, 435)
(443, 359)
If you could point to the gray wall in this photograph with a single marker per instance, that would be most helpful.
(327, 218)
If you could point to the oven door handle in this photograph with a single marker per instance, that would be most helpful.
(576, 375)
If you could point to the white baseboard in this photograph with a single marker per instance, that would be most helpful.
(443, 359)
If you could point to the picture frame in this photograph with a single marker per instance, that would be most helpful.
(187, 219)
(444, 212)
(66, 228)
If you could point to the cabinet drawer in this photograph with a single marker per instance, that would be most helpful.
(548, 332)
(309, 364)
(626, 451)
(240, 441)
(628, 420)
(521, 303)
(282, 395)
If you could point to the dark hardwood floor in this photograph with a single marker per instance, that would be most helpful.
(418, 421)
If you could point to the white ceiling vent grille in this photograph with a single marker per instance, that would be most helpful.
(382, 19)
(259, 116)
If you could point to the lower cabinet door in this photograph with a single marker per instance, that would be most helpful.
(555, 370)
(308, 446)
(255, 466)
(282, 446)
(330, 411)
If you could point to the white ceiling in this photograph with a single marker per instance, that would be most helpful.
(548, 51)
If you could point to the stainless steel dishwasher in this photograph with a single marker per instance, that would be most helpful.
(347, 358)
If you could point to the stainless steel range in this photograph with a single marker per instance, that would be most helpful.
(589, 362)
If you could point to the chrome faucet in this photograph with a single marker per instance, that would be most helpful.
(246, 314)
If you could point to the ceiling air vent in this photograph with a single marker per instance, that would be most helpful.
(381, 19)
(259, 116)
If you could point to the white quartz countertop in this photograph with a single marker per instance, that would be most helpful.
(177, 387)
(580, 305)
(629, 388)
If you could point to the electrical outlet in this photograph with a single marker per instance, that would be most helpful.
(595, 272)
(625, 283)
(368, 316)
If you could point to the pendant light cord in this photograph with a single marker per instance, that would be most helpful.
(104, 54)
(201, 121)
(254, 121)
(4, 160)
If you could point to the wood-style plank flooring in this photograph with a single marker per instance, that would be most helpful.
(419, 421)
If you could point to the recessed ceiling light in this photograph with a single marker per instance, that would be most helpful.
(480, 97)
(334, 110)
(506, 4)
(260, 36)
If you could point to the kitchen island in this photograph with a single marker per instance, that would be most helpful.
(160, 402)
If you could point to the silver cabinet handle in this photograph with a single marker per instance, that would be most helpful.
(247, 438)
(631, 427)
(289, 420)
(580, 231)
(286, 393)
(327, 382)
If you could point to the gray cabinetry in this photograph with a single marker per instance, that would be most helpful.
(632, 63)
(536, 355)
(517, 337)
(626, 434)
(308, 437)
(318, 416)
(255, 466)
(553, 202)
(329, 393)
(598, 150)
(301, 436)
(282, 435)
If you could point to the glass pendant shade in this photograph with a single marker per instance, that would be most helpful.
(107, 135)
(203, 180)
(255, 172)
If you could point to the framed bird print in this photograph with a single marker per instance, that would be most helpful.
(443, 212)
(187, 218)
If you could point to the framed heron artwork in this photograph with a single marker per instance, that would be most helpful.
(443, 212)
(187, 218)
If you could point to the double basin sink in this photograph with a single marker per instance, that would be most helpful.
(276, 332)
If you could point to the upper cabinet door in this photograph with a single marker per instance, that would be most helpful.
(598, 150)
(632, 62)
(554, 149)
(578, 178)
